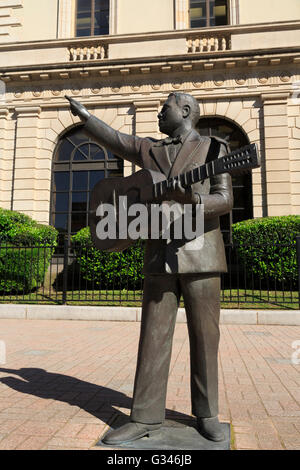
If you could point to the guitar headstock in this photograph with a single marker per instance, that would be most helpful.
(245, 158)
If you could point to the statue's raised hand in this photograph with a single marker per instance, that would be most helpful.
(78, 109)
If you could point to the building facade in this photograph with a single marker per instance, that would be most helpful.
(121, 59)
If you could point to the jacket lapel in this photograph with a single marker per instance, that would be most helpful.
(192, 151)
(192, 154)
(160, 155)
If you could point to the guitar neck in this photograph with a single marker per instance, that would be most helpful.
(235, 162)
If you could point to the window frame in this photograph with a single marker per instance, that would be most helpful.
(92, 20)
(208, 2)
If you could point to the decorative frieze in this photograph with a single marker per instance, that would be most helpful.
(210, 79)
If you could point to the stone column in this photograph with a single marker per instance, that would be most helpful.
(66, 19)
(6, 160)
(28, 176)
(234, 12)
(277, 161)
(113, 16)
(182, 14)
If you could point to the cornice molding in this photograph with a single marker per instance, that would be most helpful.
(156, 65)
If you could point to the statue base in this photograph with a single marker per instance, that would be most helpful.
(173, 435)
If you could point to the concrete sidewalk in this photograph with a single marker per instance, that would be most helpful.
(64, 382)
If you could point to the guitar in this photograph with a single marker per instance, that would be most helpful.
(146, 186)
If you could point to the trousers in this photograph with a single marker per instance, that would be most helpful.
(162, 293)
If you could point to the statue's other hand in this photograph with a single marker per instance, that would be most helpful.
(78, 109)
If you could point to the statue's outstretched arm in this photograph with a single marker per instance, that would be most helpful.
(123, 145)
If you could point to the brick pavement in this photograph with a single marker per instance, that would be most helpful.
(65, 382)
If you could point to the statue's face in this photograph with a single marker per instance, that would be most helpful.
(170, 117)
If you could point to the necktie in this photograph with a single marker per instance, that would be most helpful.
(172, 151)
(172, 146)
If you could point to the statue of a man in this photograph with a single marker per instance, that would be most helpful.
(171, 270)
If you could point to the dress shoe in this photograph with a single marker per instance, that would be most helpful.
(130, 432)
(210, 428)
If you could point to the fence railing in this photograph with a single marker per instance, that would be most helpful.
(35, 275)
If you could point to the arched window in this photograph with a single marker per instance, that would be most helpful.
(92, 17)
(242, 185)
(79, 163)
(205, 13)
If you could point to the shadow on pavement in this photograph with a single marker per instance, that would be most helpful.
(97, 400)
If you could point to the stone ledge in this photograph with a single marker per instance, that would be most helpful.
(13, 311)
(83, 312)
(70, 312)
(280, 317)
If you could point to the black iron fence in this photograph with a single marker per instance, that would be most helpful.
(36, 275)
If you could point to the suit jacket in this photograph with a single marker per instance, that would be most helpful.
(178, 256)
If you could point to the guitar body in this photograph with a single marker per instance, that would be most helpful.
(137, 188)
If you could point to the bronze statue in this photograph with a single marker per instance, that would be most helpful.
(171, 270)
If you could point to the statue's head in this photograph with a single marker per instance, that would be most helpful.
(180, 111)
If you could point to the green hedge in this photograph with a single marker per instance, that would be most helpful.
(23, 269)
(120, 270)
(267, 246)
(26, 248)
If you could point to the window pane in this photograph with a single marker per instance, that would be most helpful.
(79, 201)
(101, 17)
(198, 14)
(60, 222)
(61, 202)
(80, 180)
(237, 215)
(84, 5)
(82, 153)
(220, 12)
(96, 176)
(83, 20)
(78, 221)
(101, 23)
(64, 151)
(97, 153)
(61, 181)
(81, 32)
